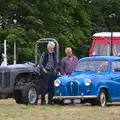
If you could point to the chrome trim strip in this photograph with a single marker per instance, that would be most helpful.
(74, 97)
(78, 86)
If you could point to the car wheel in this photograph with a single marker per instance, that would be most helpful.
(102, 99)
(18, 97)
(30, 94)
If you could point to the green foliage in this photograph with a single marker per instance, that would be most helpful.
(105, 15)
(68, 21)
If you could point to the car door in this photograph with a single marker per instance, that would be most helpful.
(114, 80)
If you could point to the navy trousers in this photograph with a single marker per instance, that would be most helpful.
(48, 86)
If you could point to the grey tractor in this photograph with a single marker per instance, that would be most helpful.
(23, 82)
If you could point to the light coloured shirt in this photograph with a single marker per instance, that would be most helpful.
(67, 65)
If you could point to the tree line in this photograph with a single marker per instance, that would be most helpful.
(71, 22)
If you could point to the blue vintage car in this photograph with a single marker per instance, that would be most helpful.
(95, 80)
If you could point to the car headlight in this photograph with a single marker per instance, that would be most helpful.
(87, 82)
(57, 83)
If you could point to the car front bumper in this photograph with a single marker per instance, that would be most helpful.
(74, 97)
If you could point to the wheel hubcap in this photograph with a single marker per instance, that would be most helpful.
(102, 99)
(32, 95)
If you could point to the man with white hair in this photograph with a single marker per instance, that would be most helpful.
(47, 65)
(68, 63)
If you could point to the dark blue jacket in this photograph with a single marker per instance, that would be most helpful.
(46, 59)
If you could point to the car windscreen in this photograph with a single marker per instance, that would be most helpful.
(92, 65)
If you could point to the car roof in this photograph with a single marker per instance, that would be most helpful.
(108, 58)
(106, 34)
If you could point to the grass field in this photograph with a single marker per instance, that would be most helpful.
(9, 110)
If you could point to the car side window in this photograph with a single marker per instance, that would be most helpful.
(116, 66)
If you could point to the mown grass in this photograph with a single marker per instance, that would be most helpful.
(9, 110)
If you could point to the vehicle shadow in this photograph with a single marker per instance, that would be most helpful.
(115, 104)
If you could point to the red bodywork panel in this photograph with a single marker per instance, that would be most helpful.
(102, 40)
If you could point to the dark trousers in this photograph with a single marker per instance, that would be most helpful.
(48, 86)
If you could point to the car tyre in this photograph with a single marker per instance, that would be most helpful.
(30, 94)
(102, 99)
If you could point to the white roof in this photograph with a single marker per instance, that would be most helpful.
(107, 34)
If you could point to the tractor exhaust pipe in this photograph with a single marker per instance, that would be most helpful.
(14, 53)
(4, 55)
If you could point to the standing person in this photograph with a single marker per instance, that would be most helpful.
(47, 65)
(68, 63)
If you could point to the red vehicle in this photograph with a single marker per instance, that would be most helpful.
(105, 44)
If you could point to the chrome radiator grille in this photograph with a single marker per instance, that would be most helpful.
(72, 88)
